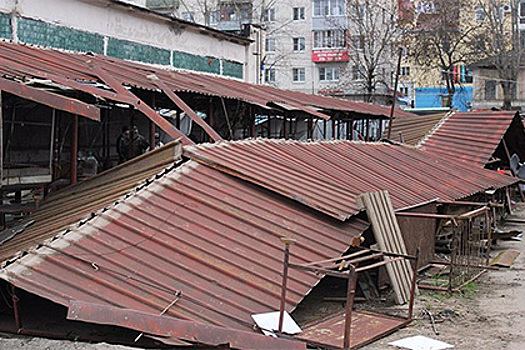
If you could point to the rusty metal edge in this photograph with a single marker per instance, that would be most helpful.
(176, 328)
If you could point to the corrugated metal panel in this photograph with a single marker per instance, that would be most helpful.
(76, 66)
(470, 136)
(194, 230)
(328, 175)
(411, 129)
(77, 202)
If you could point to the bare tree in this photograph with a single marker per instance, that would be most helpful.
(499, 42)
(373, 33)
(442, 36)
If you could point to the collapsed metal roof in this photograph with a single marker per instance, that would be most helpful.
(104, 77)
(203, 244)
(328, 175)
(472, 136)
(412, 128)
(194, 231)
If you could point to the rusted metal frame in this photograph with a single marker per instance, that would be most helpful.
(184, 107)
(74, 151)
(16, 310)
(363, 259)
(140, 105)
(227, 117)
(464, 203)
(457, 289)
(522, 195)
(169, 329)
(89, 89)
(381, 263)
(426, 215)
(385, 253)
(350, 295)
(50, 99)
(287, 244)
(473, 213)
(152, 125)
(252, 121)
(319, 270)
(321, 262)
(448, 263)
(413, 287)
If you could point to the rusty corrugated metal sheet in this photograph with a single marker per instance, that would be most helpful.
(74, 203)
(412, 128)
(365, 329)
(194, 230)
(171, 331)
(328, 175)
(469, 136)
(22, 61)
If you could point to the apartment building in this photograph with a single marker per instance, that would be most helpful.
(313, 46)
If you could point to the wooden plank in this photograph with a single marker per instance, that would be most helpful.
(389, 238)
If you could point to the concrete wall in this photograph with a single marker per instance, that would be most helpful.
(103, 27)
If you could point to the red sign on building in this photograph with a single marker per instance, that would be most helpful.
(330, 56)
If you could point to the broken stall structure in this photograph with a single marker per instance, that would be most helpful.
(71, 107)
(186, 253)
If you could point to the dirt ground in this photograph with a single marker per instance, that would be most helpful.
(489, 315)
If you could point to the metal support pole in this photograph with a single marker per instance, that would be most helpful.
(252, 122)
(287, 243)
(350, 294)
(211, 118)
(394, 95)
(152, 126)
(16, 311)
(74, 150)
(413, 287)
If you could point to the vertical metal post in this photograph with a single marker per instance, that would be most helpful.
(350, 294)
(488, 231)
(333, 129)
(324, 129)
(367, 129)
(252, 122)
(2, 215)
(394, 95)
(177, 121)
(211, 118)
(287, 243)
(1, 140)
(152, 126)
(74, 150)
(413, 286)
(16, 311)
(285, 128)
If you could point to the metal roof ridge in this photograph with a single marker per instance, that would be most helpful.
(177, 170)
(434, 129)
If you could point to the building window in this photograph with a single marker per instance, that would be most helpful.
(329, 73)
(329, 39)
(188, 16)
(298, 13)
(269, 15)
(404, 90)
(328, 8)
(298, 44)
(269, 75)
(405, 71)
(213, 18)
(299, 75)
(490, 90)
(269, 45)
(479, 13)
(356, 73)
(356, 42)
